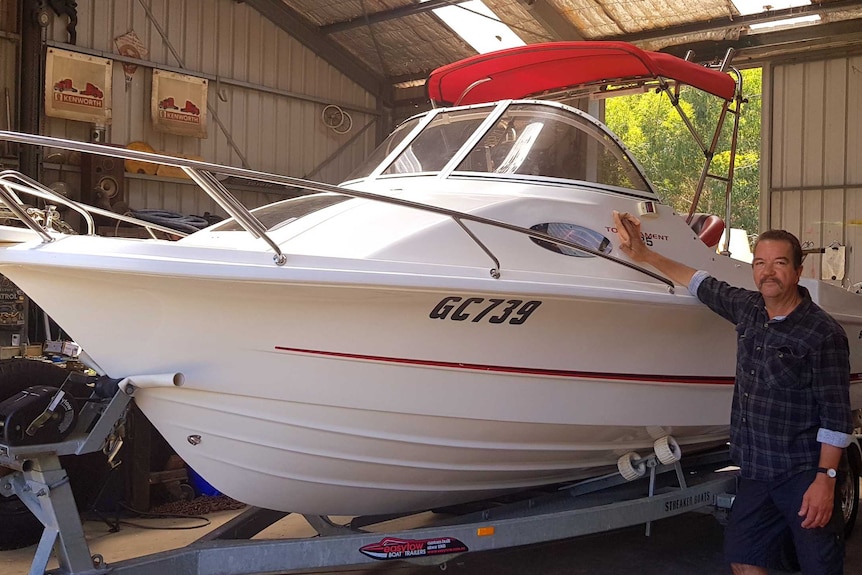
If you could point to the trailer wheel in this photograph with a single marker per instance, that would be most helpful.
(18, 527)
(667, 450)
(631, 466)
(848, 489)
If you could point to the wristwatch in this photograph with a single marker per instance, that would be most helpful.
(829, 472)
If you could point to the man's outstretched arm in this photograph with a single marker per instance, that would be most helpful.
(632, 244)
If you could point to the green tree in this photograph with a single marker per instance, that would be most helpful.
(654, 132)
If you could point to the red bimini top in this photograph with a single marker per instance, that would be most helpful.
(519, 72)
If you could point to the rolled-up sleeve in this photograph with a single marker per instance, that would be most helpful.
(696, 280)
(831, 375)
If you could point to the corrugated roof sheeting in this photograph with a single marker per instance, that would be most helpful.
(323, 12)
(410, 46)
(400, 46)
(520, 20)
(841, 15)
(609, 18)
(404, 46)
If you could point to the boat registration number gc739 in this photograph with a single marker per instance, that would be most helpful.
(492, 310)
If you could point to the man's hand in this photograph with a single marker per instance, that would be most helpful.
(817, 503)
(632, 244)
(629, 232)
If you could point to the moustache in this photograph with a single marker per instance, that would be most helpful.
(770, 280)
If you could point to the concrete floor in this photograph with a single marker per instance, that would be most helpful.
(686, 545)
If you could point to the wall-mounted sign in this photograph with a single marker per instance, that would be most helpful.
(179, 104)
(78, 86)
(130, 45)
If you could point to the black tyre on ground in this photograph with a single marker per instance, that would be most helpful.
(18, 527)
(848, 487)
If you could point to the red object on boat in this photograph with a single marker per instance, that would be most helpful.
(536, 68)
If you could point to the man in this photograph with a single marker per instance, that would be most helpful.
(790, 419)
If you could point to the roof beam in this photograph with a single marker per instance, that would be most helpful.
(384, 15)
(732, 22)
(288, 20)
(756, 47)
(551, 20)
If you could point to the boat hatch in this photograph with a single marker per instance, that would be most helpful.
(528, 140)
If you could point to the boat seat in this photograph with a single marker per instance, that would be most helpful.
(708, 228)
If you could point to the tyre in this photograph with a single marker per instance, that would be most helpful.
(847, 490)
(18, 527)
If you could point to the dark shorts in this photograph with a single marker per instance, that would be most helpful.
(764, 528)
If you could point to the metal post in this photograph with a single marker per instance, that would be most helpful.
(44, 488)
(30, 102)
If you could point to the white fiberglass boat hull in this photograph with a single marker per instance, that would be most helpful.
(351, 399)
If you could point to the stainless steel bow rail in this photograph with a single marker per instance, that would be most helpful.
(561, 512)
(204, 175)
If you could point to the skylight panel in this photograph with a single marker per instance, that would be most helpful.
(747, 7)
(478, 26)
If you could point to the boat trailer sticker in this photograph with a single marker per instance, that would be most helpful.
(391, 548)
(492, 310)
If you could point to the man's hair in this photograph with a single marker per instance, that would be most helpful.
(783, 236)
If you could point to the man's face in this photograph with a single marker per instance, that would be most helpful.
(774, 274)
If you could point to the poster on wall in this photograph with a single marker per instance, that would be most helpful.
(179, 104)
(78, 87)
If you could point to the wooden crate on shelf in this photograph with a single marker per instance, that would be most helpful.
(9, 351)
(32, 350)
(29, 350)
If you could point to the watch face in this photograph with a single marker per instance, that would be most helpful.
(831, 473)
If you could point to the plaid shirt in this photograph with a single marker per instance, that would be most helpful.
(792, 382)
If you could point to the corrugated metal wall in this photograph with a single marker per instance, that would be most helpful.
(813, 156)
(267, 90)
(9, 43)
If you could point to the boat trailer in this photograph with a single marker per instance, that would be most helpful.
(599, 504)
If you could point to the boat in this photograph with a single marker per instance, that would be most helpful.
(453, 322)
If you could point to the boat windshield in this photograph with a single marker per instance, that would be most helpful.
(536, 140)
(383, 150)
(529, 140)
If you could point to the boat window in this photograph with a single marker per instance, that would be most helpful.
(539, 140)
(383, 150)
(277, 214)
(574, 234)
(438, 142)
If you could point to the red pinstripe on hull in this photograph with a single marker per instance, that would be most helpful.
(515, 369)
(688, 379)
